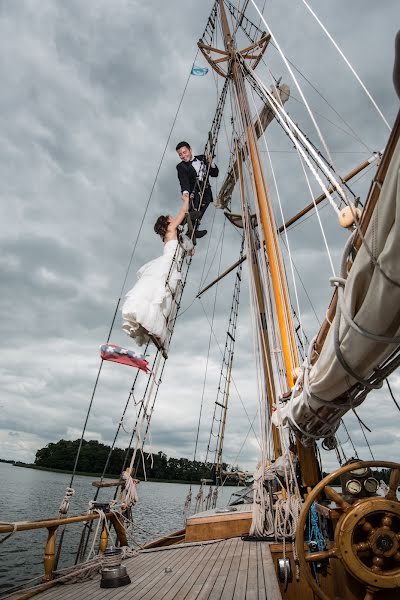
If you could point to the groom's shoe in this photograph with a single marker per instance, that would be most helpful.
(199, 233)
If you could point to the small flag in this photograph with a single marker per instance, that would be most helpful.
(123, 356)
(199, 71)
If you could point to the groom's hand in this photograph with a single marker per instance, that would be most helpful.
(185, 196)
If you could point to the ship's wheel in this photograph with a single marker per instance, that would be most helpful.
(367, 534)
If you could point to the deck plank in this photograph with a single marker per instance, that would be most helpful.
(241, 582)
(260, 573)
(213, 575)
(252, 587)
(199, 575)
(270, 578)
(166, 581)
(230, 585)
(180, 575)
(157, 563)
(218, 570)
(221, 580)
(183, 584)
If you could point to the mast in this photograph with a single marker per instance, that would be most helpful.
(278, 281)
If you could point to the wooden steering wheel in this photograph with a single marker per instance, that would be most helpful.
(367, 534)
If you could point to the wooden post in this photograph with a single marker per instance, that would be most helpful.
(103, 538)
(50, 554)
(119, 528)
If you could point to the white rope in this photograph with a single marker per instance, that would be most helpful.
(101, 522)
(295, 135)
(262, 518)
(287, 512)
(318, 217)
(347, 63)
(188, 502)
(297, 85)
(64, 506)
(129, 495)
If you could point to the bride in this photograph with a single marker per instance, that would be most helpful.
(148, 304)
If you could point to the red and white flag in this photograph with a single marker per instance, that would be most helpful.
(124, 356)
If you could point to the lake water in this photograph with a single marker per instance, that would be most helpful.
(28, 494)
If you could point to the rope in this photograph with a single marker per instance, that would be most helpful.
(298, 87)
(347, 63)
(391, 393)
(128, 267)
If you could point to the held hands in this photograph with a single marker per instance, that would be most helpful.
(185, 199)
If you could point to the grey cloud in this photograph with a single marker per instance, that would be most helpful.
(85, 112)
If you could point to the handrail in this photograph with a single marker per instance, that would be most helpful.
(52, 525)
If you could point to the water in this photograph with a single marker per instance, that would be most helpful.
(28, 494)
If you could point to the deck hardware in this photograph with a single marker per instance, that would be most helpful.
(113, 574)
(284, 570)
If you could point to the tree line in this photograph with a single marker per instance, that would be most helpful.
(93, 456)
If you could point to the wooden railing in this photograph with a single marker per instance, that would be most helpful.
(53, 524)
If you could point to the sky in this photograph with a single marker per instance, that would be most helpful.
(88, 98)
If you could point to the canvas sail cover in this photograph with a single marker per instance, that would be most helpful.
(370, 298)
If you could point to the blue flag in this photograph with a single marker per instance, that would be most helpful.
(199, 71)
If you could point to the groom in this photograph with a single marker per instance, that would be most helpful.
(192, 171)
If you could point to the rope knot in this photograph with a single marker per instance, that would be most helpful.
(337, 282)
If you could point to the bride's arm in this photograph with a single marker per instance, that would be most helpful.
(176, 221)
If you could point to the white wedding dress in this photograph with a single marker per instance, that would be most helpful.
(148, 304)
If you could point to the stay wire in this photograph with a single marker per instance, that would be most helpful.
(207, 360)
(391, 393)
(353, 132)
(129, 266)
(233, 381)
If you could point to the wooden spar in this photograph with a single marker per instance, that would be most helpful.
(265, 354)
(307, 456)
(267, 221)
(290, 222)
(331, 189)
(224, 274)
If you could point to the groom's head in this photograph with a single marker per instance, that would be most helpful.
(184, 151)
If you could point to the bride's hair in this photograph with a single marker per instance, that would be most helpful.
(161, 225)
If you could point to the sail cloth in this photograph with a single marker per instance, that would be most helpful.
(124, 356)
(370, 296)
(281, 93)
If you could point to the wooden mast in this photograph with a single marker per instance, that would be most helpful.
(306, 455)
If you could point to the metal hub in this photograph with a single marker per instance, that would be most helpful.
(384, 543)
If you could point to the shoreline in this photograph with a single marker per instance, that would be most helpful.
(107, 476)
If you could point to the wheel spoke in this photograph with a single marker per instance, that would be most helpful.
(362, 547)
(336, 497)
(377, 564)
(370, 594)
(387, 521)
(393, 484)
(367, 527)
(323, 555)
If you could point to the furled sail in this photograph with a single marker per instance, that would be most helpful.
(363, 343)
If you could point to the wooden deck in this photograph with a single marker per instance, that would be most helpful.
(216, 570)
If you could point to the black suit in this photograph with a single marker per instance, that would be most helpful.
(187, 176)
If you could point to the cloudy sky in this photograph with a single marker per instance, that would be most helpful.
(89, 91)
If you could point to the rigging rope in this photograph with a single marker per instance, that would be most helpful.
(321, 137)
(347, 63)
(129, 265)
